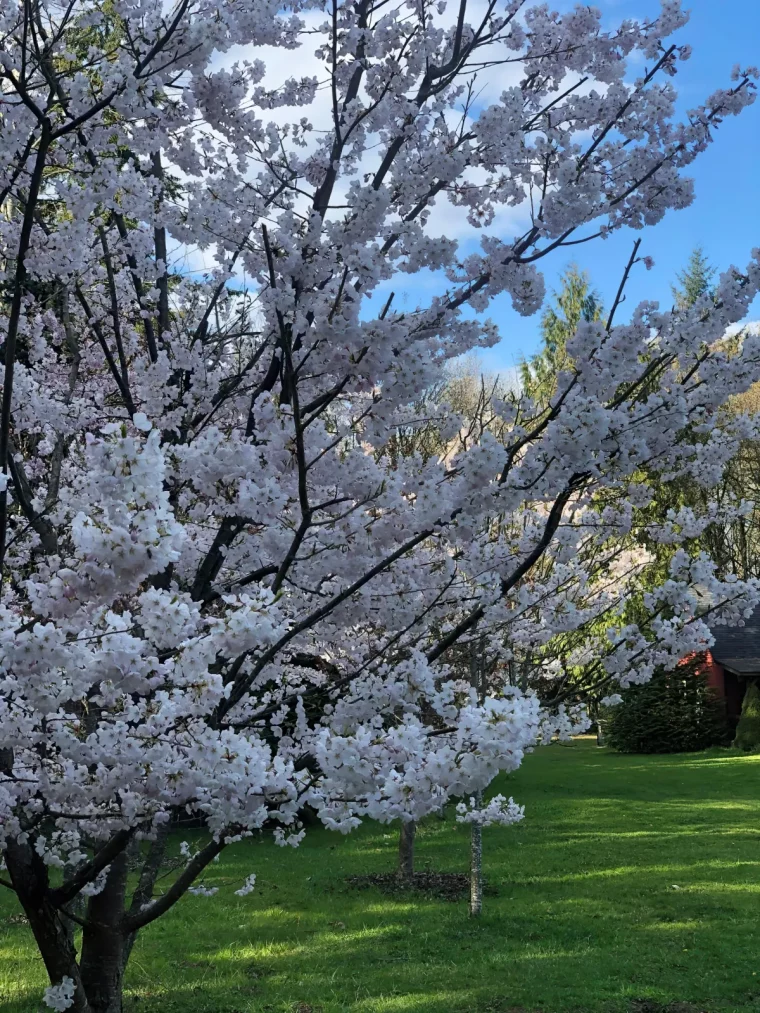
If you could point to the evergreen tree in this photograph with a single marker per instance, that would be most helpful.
(675, 712)
(748, 729)
(575, 301)
(694, 281)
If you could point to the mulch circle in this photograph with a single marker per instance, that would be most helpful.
(650, 1006)
(442, 885)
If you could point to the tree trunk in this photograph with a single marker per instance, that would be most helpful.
(476, 863)
(478, 681)
(103, 951)
(406, 852)
(599, 733)
(54, 940)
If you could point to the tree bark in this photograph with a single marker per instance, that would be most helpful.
(30, 879)
(103, 960)
(476, 863)
(406, 852)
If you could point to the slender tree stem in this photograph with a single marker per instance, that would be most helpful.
(11, 338)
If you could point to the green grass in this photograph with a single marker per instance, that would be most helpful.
(587, 916)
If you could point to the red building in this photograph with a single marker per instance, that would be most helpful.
(733, 661)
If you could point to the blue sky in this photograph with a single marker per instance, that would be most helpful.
(724, 218)
(725, 215)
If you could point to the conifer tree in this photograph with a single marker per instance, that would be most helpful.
(575, 301)
(694, 281)
(748, 729)
(675, 712)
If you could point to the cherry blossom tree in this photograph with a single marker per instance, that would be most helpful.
(218, 594)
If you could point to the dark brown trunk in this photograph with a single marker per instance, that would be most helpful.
(103, 951)
(54, 940)
(406, 852)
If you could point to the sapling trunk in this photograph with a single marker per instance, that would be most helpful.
(476, 864)
(478, 679)
(407, 835)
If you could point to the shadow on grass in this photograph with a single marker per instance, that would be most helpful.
(630, 879)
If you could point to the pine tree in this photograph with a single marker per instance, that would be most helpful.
(694, 281)
(676, 712)
(574, 302)
(748, 729)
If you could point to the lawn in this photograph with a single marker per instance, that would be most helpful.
(630, 878)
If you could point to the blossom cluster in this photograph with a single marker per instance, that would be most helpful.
(498, 811)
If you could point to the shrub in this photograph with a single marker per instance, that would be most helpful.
(748, 729)
(675, 712)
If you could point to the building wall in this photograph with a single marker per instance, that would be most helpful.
(728, 686)
(716, 676)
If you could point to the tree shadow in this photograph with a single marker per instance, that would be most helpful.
(630, 880)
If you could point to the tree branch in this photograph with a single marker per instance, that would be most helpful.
(14, 318)
(139, 919)
(88, 873)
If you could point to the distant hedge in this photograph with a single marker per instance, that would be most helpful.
(675, 712)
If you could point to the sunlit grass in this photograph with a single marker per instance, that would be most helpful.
(630, 877)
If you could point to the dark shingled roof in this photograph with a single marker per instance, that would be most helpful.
(738, 647)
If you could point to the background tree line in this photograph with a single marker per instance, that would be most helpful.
(682, 712)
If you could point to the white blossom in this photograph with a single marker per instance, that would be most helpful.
(247, 887)
(61, 996)
(498, 811)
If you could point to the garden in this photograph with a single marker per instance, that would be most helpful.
(355, 465)
(631, 886)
